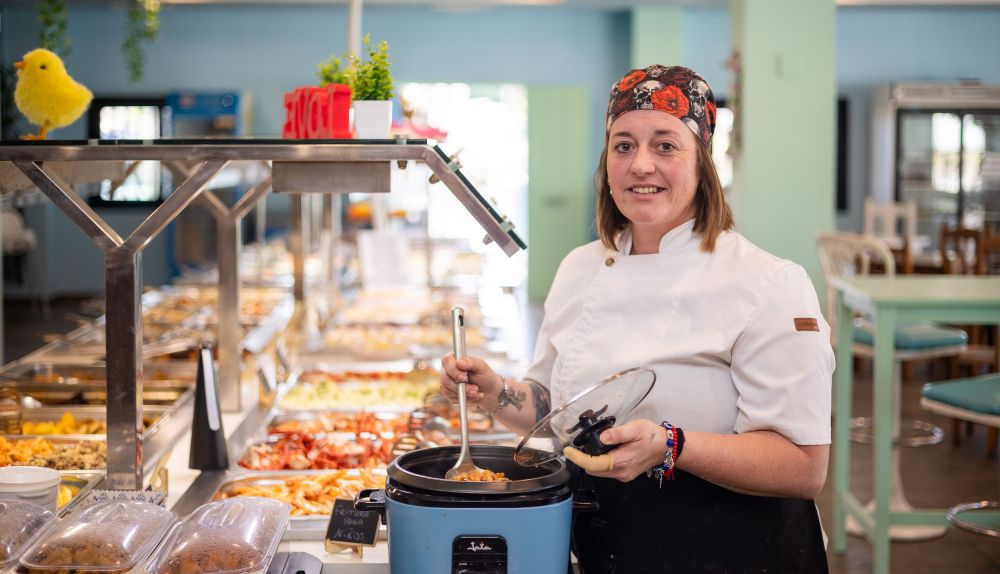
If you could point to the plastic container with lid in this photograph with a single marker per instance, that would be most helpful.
(20, 523)
(232, 536)
(106, 536)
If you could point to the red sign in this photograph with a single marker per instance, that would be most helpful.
(318, 113)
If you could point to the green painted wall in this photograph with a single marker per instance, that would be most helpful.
(783, 192)
(559, 180)
(657, 36)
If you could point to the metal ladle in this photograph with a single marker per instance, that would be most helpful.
(464, 463)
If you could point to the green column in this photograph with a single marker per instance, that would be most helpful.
(657, 36)
(784, 185)
(559, 180)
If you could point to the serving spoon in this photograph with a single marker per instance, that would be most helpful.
(464, 463)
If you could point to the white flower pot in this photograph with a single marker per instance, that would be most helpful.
(372, 119)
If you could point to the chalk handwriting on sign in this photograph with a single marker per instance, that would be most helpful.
(350, 526)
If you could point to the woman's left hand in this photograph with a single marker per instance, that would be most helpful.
(641, 446)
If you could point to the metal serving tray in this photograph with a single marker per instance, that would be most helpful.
(278, 416)
(299, 527)
(68, 384)
(245, 451)
(66, 440)
(161, 413)
(55, 394)
(96, 350)
(79, 482)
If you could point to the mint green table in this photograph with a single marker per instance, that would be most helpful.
(889, 301)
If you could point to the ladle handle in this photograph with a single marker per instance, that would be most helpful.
(458, 344)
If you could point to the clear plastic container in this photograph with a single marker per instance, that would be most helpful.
(229, 536)
(20, 523)
(107, 536)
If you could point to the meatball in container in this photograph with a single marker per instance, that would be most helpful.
(100, 538)
(232, 536)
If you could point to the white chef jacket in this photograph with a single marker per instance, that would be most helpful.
(719, 329)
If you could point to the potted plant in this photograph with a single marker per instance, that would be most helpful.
(371, 84)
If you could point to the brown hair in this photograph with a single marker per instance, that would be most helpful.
(712, 215)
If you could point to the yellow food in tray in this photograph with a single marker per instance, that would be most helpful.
(68, 424)
(312, 495)
(41, 452)
(327, 395)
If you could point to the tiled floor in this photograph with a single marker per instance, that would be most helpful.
(936, 476)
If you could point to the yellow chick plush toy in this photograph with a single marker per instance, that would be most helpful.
(46, 94)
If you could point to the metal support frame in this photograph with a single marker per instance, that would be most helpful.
(297, 245)
(123, 276)
(123, 255)
(229, 243)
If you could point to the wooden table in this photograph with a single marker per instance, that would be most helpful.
(890, 301)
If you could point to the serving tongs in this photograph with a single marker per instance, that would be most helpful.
(464, 463)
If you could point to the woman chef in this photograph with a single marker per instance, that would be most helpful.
(738, 422)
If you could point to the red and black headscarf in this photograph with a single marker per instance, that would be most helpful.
(676, 90)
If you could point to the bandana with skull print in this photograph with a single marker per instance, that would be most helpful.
(675, 90)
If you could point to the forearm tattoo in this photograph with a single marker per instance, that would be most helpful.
(543, 402)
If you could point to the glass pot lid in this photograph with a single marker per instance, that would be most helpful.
(579, 421)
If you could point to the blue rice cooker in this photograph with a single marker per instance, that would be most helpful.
(520, 526)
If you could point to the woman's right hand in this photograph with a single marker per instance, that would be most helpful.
(482, 383)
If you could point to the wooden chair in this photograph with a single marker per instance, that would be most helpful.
(884, 220)
(970, 252)
(983, 352)
(988, 253)
(959, 248)
(851, 254)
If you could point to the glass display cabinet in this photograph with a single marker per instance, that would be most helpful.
(938, 144)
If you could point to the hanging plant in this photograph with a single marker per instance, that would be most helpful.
(141, 27)
(53, 16)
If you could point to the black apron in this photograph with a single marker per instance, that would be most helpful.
(693, 526)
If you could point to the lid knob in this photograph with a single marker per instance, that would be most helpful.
(591, 426)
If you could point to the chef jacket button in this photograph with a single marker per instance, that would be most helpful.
(610, 261)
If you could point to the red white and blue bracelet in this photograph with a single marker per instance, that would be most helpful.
(675, 443)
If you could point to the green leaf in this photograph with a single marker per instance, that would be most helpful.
(372, 79)
(53, 15)
(141, 26)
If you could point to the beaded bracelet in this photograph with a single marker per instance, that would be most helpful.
(675, 443)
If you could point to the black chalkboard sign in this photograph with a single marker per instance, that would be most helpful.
(352, 527)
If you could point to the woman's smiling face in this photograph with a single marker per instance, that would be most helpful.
(652, 171)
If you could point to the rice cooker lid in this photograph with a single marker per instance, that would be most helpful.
(589, 412)
(424, 469)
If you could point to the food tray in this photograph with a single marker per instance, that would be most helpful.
(56, 395)
(316, 452)
(304, 527)
(389, 424)
(154, 374)
(319, 422)
(155, 416)
(394, 395)
(77, 484)
(150, 350)
(57, 443)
